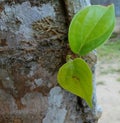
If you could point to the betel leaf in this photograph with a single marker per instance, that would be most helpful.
(91, 27)
(76, 77)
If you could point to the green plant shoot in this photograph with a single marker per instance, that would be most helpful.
(76, 77)
(89, 28)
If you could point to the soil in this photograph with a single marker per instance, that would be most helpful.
(108, 93)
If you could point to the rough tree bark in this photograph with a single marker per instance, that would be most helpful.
(33, 45)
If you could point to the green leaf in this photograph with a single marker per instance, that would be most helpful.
(76, 77)
(91, 27)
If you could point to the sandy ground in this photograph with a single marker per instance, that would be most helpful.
(108, 93)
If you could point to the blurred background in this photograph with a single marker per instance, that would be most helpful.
(108, 71)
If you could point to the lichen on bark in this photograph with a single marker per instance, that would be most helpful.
(33, 45)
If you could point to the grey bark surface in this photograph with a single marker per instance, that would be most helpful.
(33, 45)
(108, 2)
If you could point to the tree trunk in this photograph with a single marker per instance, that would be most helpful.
(33, 45)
